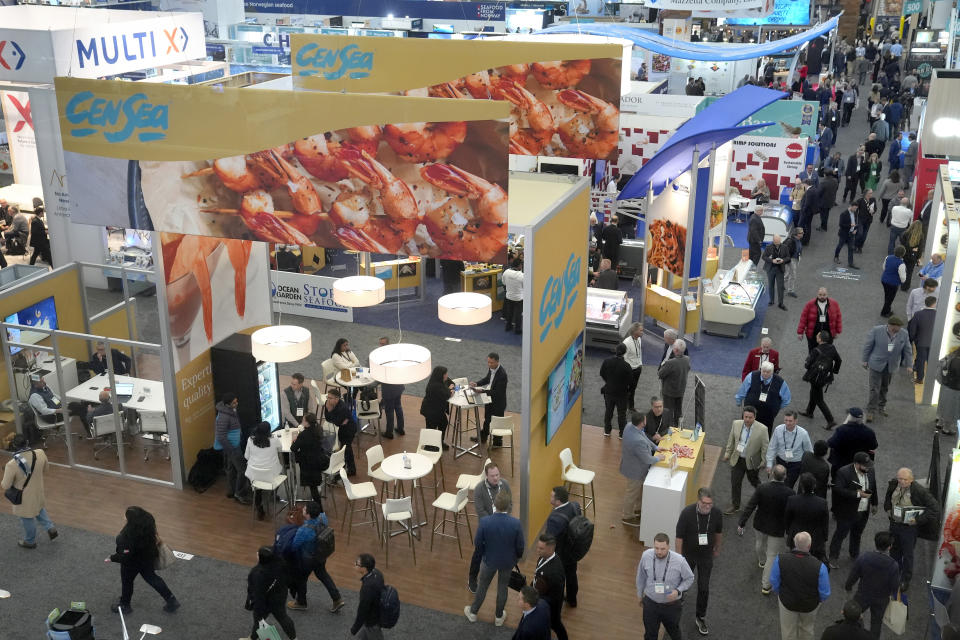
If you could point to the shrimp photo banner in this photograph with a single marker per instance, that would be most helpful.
(295, 167)
(564, 98)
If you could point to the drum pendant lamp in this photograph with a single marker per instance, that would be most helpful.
(400, 363)
(359, 291)
(281, 343)
(464, 308)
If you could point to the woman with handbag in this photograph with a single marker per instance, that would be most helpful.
(23, 486)
(138, 552)
(312, 458)
(436, 401)
(267, 594)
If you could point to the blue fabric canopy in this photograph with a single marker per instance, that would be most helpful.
(713, 52)
(717, 123)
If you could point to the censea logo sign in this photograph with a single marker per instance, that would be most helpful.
(11, 55)
(126, 47)
(559, 294)
(118, 119)
(334, 64)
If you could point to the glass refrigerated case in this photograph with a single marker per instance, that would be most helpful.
(269, 393)
(609, 314)
(730, 299)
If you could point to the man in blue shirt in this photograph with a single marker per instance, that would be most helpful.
(787, 445)
(500, 540)
(793, 575)
(663, 576)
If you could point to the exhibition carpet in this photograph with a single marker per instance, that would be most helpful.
(211, 592)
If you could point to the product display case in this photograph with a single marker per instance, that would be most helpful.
(609, 314)
(777, 219)
(130, 248)
(730, 299)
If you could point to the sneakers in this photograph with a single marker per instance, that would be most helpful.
(606, 434)
(766, 590)
(498, 622)
(702, 626)
(27, 545)
(336, 606)
(116, 607)
(172, 605)
(296, 606)
(729, 511)
(631, 522)
(471, 616)
(53, 533)
(883, 412)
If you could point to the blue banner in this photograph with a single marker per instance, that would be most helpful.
(701, 217)
(381, 8)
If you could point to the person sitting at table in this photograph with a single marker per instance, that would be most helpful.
(336, 412)
(343, 357)
(263, 461)
(45, 404)
(295, 401)
(105, 408)
(17, 232)
(98, 363)
(435, 406)
(311, 456)
(761, 192)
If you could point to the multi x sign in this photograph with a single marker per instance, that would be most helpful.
(11, 55)
(134, 45)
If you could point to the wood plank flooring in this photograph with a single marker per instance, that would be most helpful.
(208, 524)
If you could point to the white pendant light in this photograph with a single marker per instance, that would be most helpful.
(359, 291)
(281, 343)
(400, 363)
(464, 308)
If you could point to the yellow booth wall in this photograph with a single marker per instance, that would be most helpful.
(558, 315)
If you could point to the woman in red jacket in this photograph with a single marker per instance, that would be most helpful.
(820, 314)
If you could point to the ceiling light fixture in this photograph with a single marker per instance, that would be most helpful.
(400, 363)
(464, 308)
(359, 291)
(281, 343)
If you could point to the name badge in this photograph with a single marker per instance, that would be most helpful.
(823, 318)
(898, 513)
(763, 397)
(702, 538)
(659, 587)
(890, 347)
(299, 412)
(740, 447)
(788, 455)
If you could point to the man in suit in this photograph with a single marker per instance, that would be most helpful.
(775, 258)
(616, 375)
(854, 500)
(855, 173)
(606, 277)
(496, 380)
(500, 541)
(549, 579)
(879, 578)
(847, 233)
(770, 503)
(669, 337)
(558, 523)
(920, 329)
(810, 173)
(673, 378)
(638, 454)
(535, 616)
(850, 438)
(758, 355)
(866, 209)
(745, 451)
(755, 235)
(98, 363)
(884, 351)
(611, 238)
(809, 207)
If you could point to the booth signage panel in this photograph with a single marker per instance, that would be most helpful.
(667, 226)
(778, 161)
(306, 295)
(639, 144)
(427, 9)
(321, 171)
(21, 137)
(26, 55)
(911, 7)
(661, 104)
(792, 12)
(566, 109)
(790, 118)
(706, 5)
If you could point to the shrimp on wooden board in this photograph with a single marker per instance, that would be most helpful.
(593, 131)
(560, 74)
(425, 141)
(239, 252)
(469, 222)
(531, 124)
(317, 153)
(191, 257)
(381, 216)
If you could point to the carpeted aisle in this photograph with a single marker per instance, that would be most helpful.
(212, 594)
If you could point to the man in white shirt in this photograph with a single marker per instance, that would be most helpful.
(918, 295)
(634, 359)
(900, 218)
(787, 446)
(512, 280)
(42, 400)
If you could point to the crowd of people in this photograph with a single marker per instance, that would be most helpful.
(21, 232)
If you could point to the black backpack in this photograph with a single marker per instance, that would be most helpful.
(944, 374)
(205, 470)
(324, 544)
(579, 536)
(367, 394)
(821, 372)
(389, 607)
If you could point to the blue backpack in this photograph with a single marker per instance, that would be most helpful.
(389, 607)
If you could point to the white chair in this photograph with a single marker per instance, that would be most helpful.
(153, 431)
(572, 474)
(433, 438)
(264, 479)
(369, 412)
(103, 429)
(374, 460)
(398, 510)
(468, 481)
(455, 504)
(365, 491)
(48, 429)
(502, 427)
(329, 375)
(333, 473)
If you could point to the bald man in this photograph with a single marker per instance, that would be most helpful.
(913, 512)
(793, 577)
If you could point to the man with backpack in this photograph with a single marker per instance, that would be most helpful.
(312, 545)
(372, 588)
(564, 524)
(821, 365)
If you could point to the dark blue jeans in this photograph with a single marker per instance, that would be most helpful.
(904, 541)
(392, 408)
(850, 242)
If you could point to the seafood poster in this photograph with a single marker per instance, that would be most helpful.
(667, 226)
(564, 98)
(946, 567)
(215, 287)
(303, 168)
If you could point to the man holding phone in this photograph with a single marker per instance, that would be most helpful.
(854, 500)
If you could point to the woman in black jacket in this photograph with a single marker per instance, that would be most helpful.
(312, 458)
(137, 553)
(821, 365)
(267, 592)
(435, 405)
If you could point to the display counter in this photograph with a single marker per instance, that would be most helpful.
(609, 314)
(631, 258)
(663, 305)
(777, 219)
(730, 299)
(485, 279)
(691, 465)
(397, 275)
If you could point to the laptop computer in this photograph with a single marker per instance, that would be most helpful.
(124, 391)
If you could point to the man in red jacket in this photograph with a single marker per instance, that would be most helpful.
(758, 356)
(820, 314)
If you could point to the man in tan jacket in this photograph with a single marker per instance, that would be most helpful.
(746, 447)
(27, 468)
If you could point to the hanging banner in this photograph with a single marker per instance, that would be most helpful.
(307, 295)
(641, 138)
(709, 5)
(776, 161)
(667, 226)
(385, 174)
(20, 137)
(790, 118)
(564, 97)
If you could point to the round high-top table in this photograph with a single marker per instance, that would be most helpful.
(420, 466)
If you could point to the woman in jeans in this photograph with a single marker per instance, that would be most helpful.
(893, 275)
(137, 551)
